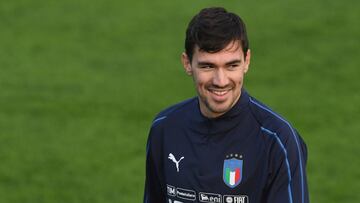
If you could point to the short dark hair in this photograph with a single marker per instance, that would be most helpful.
(212, 29)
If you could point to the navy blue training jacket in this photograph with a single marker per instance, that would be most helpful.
(248, 155)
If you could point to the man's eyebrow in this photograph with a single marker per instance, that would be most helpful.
(233, 61)
(204, 63)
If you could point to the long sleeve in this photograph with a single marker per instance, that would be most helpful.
(288, 180)
(154, 189)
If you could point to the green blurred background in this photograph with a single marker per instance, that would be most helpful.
(81, 81)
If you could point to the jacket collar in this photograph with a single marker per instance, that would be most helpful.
(223, 123)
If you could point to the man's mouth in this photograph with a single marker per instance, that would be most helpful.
(218, 92)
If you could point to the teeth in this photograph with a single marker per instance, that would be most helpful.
(220, 93)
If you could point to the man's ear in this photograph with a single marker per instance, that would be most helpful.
(247, 60)
(186, 63)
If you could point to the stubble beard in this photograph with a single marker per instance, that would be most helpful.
(214, 109)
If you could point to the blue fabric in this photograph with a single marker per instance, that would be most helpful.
(186, 153)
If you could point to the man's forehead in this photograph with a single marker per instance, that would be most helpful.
(233, 46)
(232, 51)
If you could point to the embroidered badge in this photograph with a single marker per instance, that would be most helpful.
(233, 168)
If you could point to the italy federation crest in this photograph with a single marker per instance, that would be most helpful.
(232, 173)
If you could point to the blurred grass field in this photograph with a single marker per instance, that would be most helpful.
(80, 82)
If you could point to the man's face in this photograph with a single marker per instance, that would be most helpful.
(218, 77)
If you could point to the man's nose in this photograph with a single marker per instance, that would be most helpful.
(220, 78)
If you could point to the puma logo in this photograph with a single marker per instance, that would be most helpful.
(172, 158)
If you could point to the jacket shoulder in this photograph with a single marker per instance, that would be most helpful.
(269, 119)
(275, 125)
(174, 109)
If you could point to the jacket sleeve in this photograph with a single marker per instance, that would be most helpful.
(287, 182)
(154, 189)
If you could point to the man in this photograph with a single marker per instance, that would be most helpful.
(223, 145)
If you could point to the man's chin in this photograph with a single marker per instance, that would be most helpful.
(214, 109)
(219, 109)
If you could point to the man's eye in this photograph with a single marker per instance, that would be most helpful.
(232, 66)
(206, 67)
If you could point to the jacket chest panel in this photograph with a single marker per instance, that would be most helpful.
(221, 165)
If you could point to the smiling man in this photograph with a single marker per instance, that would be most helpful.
(218, 76)
(222, 146)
